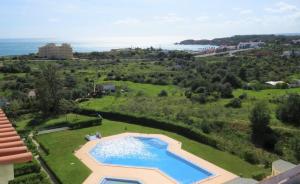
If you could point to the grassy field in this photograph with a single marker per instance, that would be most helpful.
(266, 94)
(22, 122)
(71, 171)
(151, 105)
(147, 89)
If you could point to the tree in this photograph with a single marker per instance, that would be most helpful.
(262, 134)
(232, 79)
(235, 103)
(163, 93)
(289, 110)
(243, 73)
(226, 91)
(49, 89)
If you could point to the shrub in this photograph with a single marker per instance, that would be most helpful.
(226, 91)
(35, 178)
(234, 103)
(289, 110)
(259, 175)
(251, 157)
(262, 134)
(163, 93)
(243, 96)
(22, 169)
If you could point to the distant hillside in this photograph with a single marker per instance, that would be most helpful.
(234, 40)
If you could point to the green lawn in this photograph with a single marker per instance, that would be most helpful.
(72, 118)
(71, 171)
(266, 94)
(23, 121)
(147, 89)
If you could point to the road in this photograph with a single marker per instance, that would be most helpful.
(222, 53)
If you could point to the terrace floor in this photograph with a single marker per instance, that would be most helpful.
(146, 175)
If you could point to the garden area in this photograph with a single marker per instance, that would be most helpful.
(64, 164)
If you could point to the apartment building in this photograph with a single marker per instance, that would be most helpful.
(52, 51)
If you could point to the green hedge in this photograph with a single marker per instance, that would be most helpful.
(184, 130)
(176, 128)
(44, 148)
(26, 168)
(35, 178)
(53, 174)
(72, 125)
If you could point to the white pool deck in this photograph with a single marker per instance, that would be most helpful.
(147, 175)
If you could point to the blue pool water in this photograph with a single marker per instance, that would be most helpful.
(118, 181)
(150, 153)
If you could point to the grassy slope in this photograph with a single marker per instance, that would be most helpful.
(177, 102)
(71, 171)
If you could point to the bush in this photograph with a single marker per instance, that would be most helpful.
(243, 96)
(27, 168)
(35, 178)
(163, 93)
(184, 130)
(251, 157)
(234, 103)
(289, 110)
(259, 175)
(226, 91)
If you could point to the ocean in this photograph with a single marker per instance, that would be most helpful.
(10, 47)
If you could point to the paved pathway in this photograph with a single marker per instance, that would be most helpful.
(53, 130)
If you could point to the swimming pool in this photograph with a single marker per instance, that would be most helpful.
(118, 181)
(147, 152)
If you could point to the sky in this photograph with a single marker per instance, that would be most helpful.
(159, 20)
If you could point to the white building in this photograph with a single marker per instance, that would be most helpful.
(247, 45)
(52, 51)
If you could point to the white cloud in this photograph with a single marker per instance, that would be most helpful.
(202, 19)
(169, 18)
(127, 21)
(247, 11)
(282, 7)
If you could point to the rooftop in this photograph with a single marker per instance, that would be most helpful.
(12, 148)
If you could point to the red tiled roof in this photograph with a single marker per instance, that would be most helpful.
(12, 148)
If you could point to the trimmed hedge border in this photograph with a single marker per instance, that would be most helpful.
(34, 178)
(27, 168)
(176, 128)
(42, 159)
(73, 126)
(180, 129)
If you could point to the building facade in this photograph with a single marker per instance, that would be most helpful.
(52, 51)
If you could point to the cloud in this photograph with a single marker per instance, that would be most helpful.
(245, 12)
(282, 7)
(169, 18)
(127, 21)
(202, 19)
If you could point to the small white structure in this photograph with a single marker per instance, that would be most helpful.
(274, 83)
(296, 41)
(290, 53)
(247, 45)
(31, 94)
(281, 166)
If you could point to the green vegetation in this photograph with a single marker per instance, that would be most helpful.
(289, 110)
(63, 162)
(211, 98)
